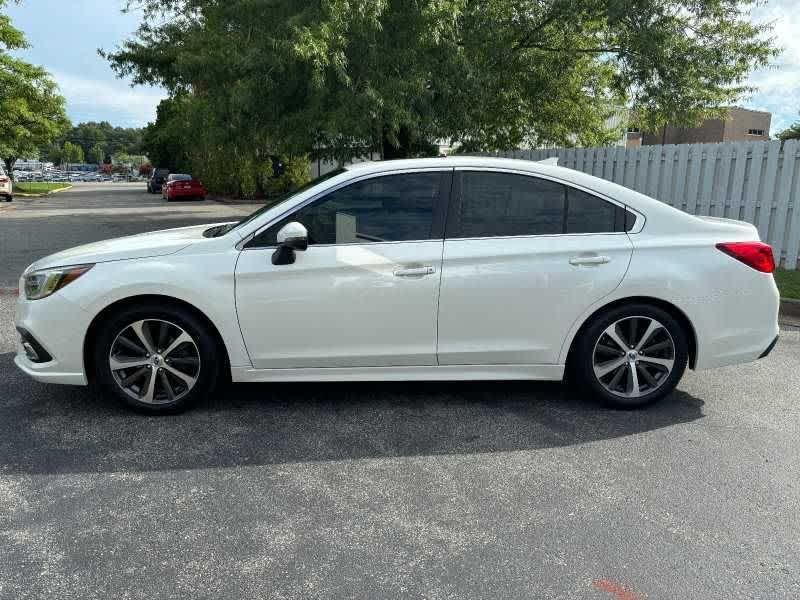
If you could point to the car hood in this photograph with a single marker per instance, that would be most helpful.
(144, 245)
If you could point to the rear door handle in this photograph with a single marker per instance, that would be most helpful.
(589, 260)
(415, 271)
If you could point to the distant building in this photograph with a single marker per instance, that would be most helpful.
(739, 125)
(31, 165)
(82, 167)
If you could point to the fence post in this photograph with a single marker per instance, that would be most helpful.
(768, 197)
(783, 192)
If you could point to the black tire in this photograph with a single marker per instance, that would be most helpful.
(582, 367)
(210, 357)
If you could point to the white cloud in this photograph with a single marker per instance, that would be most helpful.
(779, 85)
(114, 101)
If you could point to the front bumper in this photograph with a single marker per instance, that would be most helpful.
(59, 326)
(46, 373)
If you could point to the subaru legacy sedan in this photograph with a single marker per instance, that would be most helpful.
(428, 269)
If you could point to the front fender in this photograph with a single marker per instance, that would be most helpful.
(207, 285)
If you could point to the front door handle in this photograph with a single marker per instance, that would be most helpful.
(415, 271)
(589, 260)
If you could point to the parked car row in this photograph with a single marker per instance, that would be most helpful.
(57, 176)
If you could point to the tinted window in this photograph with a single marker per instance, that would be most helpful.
(501, 204)
(179, 177)
(391, 208)
(590, 214)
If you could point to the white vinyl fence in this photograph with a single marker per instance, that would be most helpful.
(757, 182)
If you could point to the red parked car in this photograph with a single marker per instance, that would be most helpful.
(180, 186)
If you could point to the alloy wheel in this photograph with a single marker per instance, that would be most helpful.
(634, 356)
(155, 361)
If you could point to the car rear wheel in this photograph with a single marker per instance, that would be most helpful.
(157, 360)
(631, 356)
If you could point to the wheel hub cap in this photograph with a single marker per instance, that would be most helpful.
(633, 357)
(155, 361)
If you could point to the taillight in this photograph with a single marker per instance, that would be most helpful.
(757, 255)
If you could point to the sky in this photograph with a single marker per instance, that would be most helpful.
(65, 36)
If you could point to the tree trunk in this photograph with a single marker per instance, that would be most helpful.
(9, 164)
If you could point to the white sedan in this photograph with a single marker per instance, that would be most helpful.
(441, 269)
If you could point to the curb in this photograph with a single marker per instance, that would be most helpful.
(233, 201)
(790, 311)
(50, 193)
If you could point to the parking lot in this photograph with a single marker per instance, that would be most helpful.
(390, 490)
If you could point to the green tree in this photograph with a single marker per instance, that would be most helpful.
(71, 154)
(112, 139)
(790, 133)
(52, 153)
(32, 112)
(97, 153)
(338, 78)
(164, 142)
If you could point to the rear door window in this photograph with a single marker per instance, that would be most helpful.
(505, 204)
(495, 204)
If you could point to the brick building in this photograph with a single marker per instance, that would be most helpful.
(740, 124)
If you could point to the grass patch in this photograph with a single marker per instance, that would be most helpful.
(38, 187)
(788, 283)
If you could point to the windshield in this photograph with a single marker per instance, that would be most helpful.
(283, 198)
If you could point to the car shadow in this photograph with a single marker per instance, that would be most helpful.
(55, 429)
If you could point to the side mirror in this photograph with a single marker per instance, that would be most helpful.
(291, 237)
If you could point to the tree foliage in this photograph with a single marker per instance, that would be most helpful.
(339, 78)
(790, 133)
(101, 140)
(32, 112)
(72, 154)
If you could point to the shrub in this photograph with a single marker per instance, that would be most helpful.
(246, 174)
(297, 172)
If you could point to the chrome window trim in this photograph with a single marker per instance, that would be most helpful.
(241, 245)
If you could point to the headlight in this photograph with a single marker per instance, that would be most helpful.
(41, 284)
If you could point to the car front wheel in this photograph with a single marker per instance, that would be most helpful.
(157, 360)
(631, 356)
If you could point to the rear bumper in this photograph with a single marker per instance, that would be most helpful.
(193, 193)
(769, 349)
(742, 331)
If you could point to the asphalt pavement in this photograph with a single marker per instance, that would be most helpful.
(31, 228)
(388, 490)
